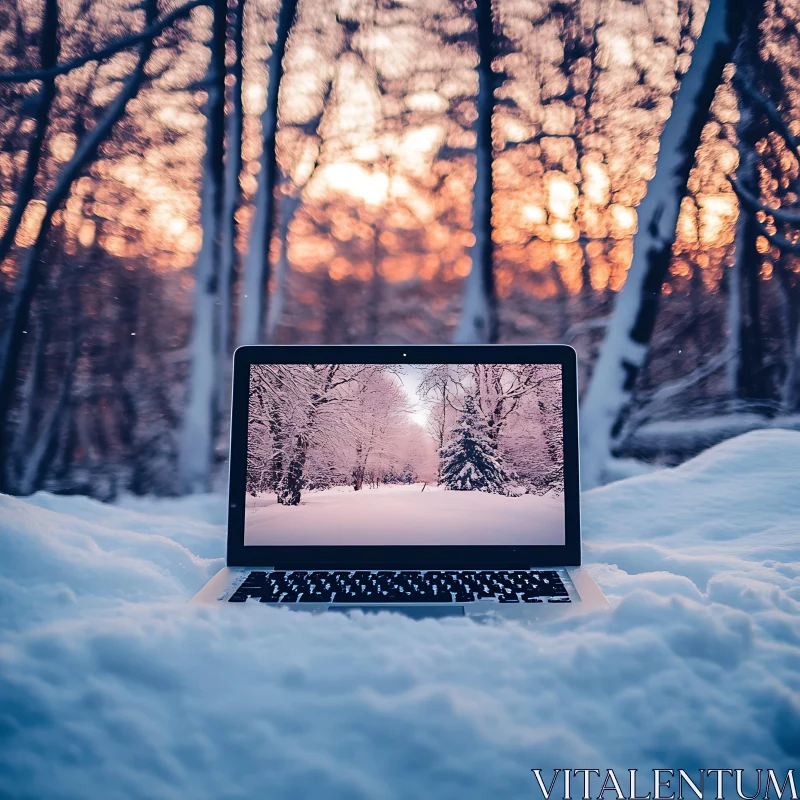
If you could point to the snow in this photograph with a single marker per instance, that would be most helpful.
(112, 686)
(405, 515)
(690, 436)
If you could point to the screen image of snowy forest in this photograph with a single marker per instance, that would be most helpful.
(405, 454)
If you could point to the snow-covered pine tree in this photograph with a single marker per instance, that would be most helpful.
(470, 460)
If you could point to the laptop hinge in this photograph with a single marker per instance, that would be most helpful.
(257, 568)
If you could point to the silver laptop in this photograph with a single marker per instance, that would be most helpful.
(429, 480)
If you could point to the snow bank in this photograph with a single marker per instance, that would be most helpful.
(111, 686)
(687, 437)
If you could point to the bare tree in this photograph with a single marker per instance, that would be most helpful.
(48, 57)
(760, 89)
(199, 427)
(435, 388)
(291, 201)
(231, 203)
(626, 345)
(31, 268)
(255, 284)
(478, 321)
(746, 378)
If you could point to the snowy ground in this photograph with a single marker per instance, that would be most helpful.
(111, 686)
(405, 515)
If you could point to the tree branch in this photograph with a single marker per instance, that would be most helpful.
(754, 204)
(110, 50)
(49, 55)
(30, 271)
(771, 110)
(781, 242)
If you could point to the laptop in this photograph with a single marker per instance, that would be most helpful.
(430, 480)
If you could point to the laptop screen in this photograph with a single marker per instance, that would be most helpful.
(388, 454)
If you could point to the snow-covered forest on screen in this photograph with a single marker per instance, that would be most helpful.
(408, 454)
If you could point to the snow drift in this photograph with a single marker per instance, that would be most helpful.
(112, 686)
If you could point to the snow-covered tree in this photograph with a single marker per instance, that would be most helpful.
(470, 460)
(378, 426)
(306, 420)
(500, 388)
(632, 322)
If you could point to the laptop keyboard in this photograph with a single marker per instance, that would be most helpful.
(408, 586)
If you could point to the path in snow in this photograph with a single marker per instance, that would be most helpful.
(405, 515)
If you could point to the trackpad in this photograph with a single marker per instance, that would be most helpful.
(415, 612)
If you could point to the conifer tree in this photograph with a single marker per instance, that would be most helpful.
(470, 460)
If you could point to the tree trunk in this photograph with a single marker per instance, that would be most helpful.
(278, 437)
(790, 383)
(630, 328)
(30, 271)
(790, 393)
(359, 469)
(478, 321)
(48, 57)
(29, 416)
(289, 206)
(44, 450)
(746, 378)
(199, 426)
(375, 292)
(292, 481)
(232, 201)
(255, 285)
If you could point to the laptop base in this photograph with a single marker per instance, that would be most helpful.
(584, 595)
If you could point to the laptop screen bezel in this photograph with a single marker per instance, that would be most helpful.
(402, 556)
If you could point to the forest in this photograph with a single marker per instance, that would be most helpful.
(412, 442)
(177, 179)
